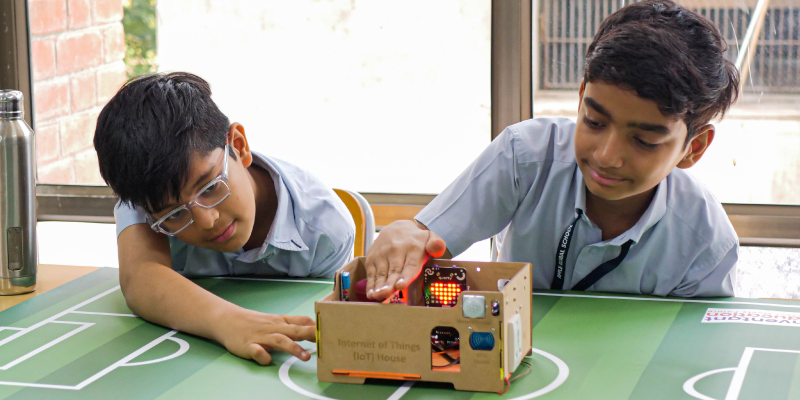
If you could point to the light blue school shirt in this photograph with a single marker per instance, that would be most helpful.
(527, 184)
(313, 233)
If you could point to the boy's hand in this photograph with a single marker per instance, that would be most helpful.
(252, 335)
(397, 255)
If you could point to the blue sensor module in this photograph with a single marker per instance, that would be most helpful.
(481, 341)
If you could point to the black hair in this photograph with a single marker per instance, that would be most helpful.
(147, 133)
(668, 54)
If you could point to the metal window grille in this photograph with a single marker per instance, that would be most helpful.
(568, 26)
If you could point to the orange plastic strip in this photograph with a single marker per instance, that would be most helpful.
(378, 375)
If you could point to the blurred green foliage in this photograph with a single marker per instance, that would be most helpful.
(139, 21)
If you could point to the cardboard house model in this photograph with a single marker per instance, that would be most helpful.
(475, 341)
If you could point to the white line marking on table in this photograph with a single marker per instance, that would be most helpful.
(184, 347)
(125, 359)
(283, 374)
(57, 316)
(52, 343)
(401, 391)
(688, 386)
(105, 313)
(38, 385)
(563, 374)
(124, 362)
(739, 374)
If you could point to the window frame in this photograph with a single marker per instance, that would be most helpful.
(18, 40)
(512, 89)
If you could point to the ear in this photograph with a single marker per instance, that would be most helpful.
(697, 146)
(238, 142)
(580, 94)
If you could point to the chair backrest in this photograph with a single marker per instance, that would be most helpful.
(363, 217)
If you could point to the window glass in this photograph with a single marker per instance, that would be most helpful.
(77, 243)
(768, 272)
(368, 95)
(81, 52)
(753, 158)
(762, 272)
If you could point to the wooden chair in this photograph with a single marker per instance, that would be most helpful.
(363, 217)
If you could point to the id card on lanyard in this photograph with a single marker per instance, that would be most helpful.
(592, 277)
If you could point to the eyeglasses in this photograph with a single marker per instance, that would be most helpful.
(215, 192)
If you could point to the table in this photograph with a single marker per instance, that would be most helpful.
(49, 278)
(81, 341)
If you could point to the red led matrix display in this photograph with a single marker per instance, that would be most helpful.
(445, 294)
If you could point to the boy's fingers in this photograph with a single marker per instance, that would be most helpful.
(369, 265)
(295, 332)
(379, 278)
(283, 343)
(259, 354)
(303, 332)
(435, 245)
(386, 289)
(411, 269)
(299, 320)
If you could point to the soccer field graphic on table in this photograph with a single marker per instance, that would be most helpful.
(23, 344)
(81, 341)
(649, 349)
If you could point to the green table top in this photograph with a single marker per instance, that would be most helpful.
(81, 341)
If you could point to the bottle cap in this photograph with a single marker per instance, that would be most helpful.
(10, 104)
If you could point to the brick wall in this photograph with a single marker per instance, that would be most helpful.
(77, 50)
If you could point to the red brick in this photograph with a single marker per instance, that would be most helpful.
(77, 132)
(80, 13)
(47, 16)
(109, 80)
(114, 43)
(106, 11)
(44, 58)
(84, 91)
(57, 172)
(51, 99)
(79, 51)
(87, 169)
(46, 143)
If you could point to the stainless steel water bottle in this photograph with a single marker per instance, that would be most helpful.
(18, 255)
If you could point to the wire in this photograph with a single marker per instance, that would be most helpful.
(527, 371)
(444, 344)
(444, 348)
(446, 351)
(454, 362)
(507, 386)
(508, 381)
(443, 353)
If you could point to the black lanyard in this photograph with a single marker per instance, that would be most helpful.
(592, 277)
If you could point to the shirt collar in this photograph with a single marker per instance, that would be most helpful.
(655, 211)
(283, 233)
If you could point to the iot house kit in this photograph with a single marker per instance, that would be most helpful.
(466, 323)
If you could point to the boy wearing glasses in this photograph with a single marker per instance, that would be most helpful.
(196, 201)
